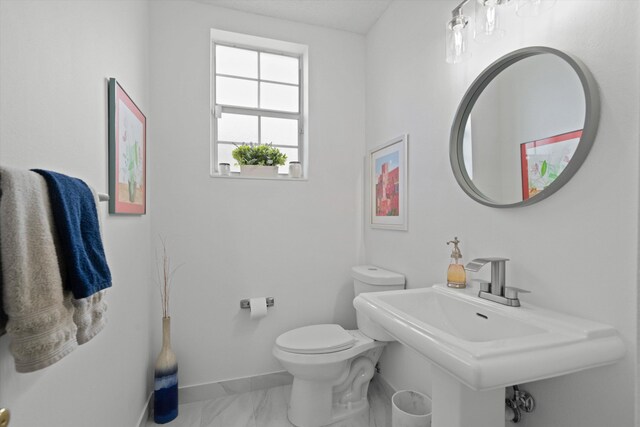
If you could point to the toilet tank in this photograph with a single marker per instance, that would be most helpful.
(369, 278)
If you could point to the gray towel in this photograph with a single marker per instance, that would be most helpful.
(45, 322)
(89, 314)
(40, 315)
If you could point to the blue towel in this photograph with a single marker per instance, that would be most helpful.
(76, 220)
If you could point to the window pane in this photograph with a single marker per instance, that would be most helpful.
(279, 131)
(238, 128)
(279, 97)
(230, 91)
(292, 155)
(279, 68)
(236, 62)
(224, 156)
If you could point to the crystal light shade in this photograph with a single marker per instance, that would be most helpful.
(487, 23)
(488, 16)
(457, 39)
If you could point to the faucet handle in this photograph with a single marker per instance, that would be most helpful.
(476, 264)
(484, 285)
(511, 292)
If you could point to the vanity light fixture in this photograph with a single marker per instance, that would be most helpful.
(487, 23)
(457, 38)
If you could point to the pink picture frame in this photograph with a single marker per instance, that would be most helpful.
(127, 154)
(543, 160)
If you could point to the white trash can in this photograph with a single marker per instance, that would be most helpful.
(410, 409)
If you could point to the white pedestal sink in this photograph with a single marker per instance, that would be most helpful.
(478, 347)
(456, 405)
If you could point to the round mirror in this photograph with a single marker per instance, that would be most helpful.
(524, 127)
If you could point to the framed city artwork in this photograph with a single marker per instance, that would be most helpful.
(127, 154)
(388, 182)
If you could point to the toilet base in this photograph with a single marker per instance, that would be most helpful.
(323, 412)
(356, 417)
(327, 403)
(329, 388)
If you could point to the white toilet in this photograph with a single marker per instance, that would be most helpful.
(331, 366)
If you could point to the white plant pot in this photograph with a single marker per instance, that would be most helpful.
(262, 171)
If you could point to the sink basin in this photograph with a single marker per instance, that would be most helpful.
(485, 345)
(458, 317)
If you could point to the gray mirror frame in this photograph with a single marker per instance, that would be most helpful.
(592, 117)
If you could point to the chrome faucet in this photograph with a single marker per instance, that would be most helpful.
(496, 290)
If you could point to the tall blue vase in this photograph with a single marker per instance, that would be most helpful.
(165, 396)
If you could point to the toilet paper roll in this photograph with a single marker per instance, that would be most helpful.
(258, 308)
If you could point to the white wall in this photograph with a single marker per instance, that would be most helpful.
(295, 241)
(638, 293)
(576, 251)
(55, 58)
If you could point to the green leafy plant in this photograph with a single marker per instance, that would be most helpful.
(132, 159)
(132, 163)
(258, 154)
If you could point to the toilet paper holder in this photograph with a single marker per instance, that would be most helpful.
(244, 303)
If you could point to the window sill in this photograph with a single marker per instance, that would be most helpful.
(236, 175)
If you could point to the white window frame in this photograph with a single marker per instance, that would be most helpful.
(275, 47)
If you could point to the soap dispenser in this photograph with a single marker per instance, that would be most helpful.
(456, 275)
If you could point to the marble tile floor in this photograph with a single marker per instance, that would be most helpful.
(268, 408)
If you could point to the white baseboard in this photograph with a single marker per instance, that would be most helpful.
(144, 416)
(208, 391)
(388, 389)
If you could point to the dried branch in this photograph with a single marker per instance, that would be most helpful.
(165, 276)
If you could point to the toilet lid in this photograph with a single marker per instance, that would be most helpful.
(316, 339)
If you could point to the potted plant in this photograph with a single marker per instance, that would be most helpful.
(258, 159)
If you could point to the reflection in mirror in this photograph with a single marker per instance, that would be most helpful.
(519, 126)
(535, 99)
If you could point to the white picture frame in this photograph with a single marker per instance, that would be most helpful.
(388, 165)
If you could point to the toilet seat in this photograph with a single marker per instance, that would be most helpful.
(316, 339)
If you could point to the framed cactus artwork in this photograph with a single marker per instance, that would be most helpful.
(127, 154)
(543, 160)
